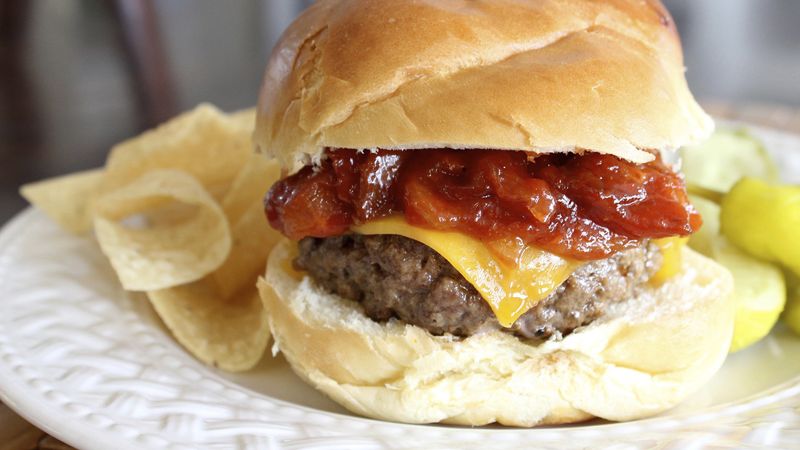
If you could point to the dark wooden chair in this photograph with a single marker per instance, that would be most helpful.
(139, 39)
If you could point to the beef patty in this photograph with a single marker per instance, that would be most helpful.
(394, 276)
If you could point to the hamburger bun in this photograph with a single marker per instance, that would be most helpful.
(542, 76)
(643, 357)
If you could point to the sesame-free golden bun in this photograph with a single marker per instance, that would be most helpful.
(536, 75)
(645, 355)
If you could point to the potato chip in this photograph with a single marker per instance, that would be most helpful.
(162, 230)
(220, 319)
(178, 211)
(204, 142)
(231, 335)
(245, 118)
(66, 199)
(252, 241)
(250, 186)
(253, 238)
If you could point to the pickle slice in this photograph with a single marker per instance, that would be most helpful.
(702, 240)
(713, 167)
(759, 291)
(759, 287)
(791, 316)
(764, 220)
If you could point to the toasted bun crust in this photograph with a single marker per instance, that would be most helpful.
(536, 75)
(647, 355)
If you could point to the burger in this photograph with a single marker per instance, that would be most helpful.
(483, 220)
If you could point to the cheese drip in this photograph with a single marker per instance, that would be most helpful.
(671, 256)
(509, 289)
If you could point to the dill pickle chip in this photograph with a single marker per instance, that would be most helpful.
(759, 290)
(714, 166)
(702, 240)
(791, 316)
(764, 220)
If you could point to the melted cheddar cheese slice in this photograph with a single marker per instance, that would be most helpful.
(510, 289)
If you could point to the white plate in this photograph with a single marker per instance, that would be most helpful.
(93, 366)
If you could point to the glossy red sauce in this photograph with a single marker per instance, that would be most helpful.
(580, 206)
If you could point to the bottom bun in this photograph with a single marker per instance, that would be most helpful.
(645, 356)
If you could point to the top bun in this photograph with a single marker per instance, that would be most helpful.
(535, 75)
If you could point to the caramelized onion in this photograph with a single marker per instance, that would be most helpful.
(584, 207)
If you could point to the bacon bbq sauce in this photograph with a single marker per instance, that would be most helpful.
(581, 206)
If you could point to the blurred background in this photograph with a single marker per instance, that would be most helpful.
(76, 76)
